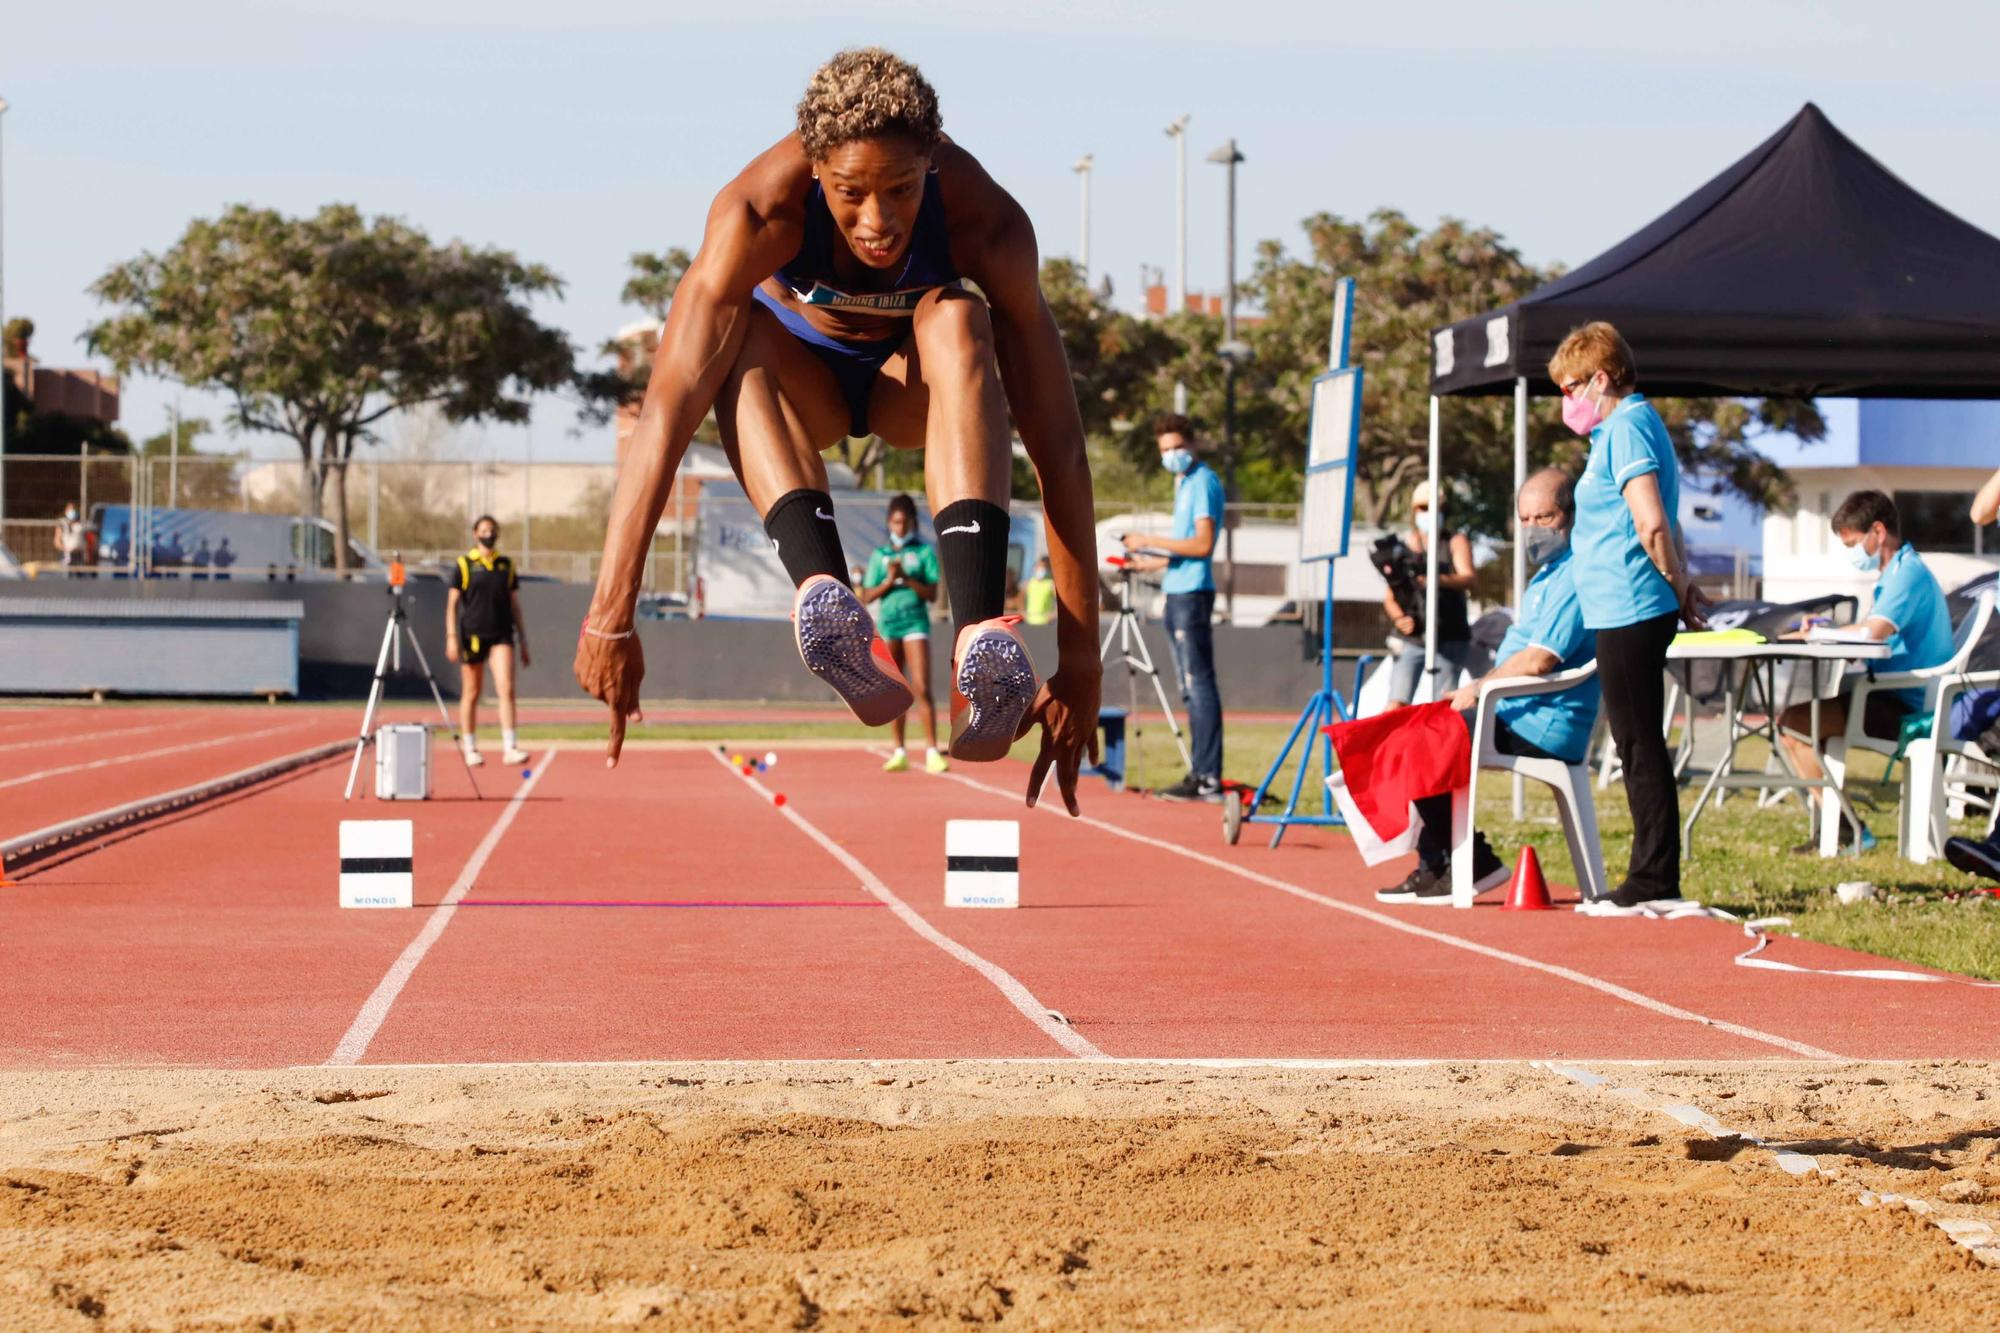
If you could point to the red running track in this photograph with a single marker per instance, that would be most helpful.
(213, 939)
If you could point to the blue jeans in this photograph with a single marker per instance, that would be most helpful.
(1190, 626)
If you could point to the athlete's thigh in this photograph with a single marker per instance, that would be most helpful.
(918, 669)
(470, 676)
(950, 348)
(500, 657)
(778, 407)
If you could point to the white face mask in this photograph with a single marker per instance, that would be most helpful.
(1858, 555)
(899, 540)
(1426, 522)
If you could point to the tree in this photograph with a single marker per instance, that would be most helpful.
(319, 327)
(200, 481)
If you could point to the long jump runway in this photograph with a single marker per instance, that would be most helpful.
(672, 910)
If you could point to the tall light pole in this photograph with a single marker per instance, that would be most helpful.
(1178, 133)
(1082, 168)
(3, 324)
(1233, 354)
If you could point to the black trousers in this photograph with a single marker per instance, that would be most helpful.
(1631, 670)
(1434, 812)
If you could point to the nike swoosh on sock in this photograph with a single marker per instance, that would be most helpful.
(821, 513)
(972, 527)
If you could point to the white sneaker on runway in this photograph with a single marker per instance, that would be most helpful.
(838, 643)
(512, 757)
(993, 684)
(474, 758)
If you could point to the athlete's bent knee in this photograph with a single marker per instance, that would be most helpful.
(955, 325)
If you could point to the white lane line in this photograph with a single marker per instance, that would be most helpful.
(1969, 1233)
(1017, 995)
(375, 1009)
(74, 737)
(148, 754)
(1611, 988)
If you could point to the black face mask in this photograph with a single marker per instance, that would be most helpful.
(486, 539)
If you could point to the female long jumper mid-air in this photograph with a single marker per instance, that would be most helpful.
(834, 295)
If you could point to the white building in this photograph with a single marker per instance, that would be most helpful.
(1929, 456)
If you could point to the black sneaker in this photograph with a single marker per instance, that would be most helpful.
(1210, 790)
(1629, 894)
(1975, 858)
(1404, 892)
(1187, 789)
(1488, 870)
(1423, 886)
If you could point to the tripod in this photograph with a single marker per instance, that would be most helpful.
(1132, 651)
(392, 647)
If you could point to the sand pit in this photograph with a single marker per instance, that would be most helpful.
(933, 1195)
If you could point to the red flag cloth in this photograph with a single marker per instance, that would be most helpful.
(1391, 760)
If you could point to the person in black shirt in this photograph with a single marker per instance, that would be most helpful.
(1454, 630)
(482, 620)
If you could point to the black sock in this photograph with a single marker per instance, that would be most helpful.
(972, 548)
(801, 527)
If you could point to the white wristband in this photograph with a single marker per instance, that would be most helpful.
(600, 634)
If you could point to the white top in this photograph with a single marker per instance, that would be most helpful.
(1700, 651)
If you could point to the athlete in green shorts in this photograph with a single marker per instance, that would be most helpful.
(902, 579)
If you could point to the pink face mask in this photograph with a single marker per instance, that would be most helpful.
(1579, 413)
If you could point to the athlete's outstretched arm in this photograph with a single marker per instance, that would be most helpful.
(704, 333)
(1035, 373)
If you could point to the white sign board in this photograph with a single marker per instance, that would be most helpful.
(1330, 449)
(377, 864)
(982, 863)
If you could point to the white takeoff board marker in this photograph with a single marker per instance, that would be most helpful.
(982, 863)
(377, 866)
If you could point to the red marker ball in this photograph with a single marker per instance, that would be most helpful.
(779, 799)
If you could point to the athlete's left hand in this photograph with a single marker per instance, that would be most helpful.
(1066, 711)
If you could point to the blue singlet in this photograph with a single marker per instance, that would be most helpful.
(810, 276)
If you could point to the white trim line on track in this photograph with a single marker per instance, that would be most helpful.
(1306, 1064)
(1016, 994)
(375, 1009)
(74, 738)
(150, 754)
(1972, 1234)
(1610, 988)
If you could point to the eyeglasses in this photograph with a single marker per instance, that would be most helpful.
(1569, 389)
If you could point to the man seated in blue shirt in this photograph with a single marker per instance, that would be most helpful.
(1547, 636)
(1908, 611)
(1189, 583)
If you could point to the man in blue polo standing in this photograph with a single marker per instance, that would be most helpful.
(1189, 583)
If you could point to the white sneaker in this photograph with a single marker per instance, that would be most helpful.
(512, 757)
(474, 758)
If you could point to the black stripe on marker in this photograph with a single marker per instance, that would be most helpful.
(997, 864)
(375, 865)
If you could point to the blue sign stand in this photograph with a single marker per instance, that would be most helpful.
(1323, 527)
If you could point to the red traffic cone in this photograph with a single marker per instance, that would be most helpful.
(1529, 892)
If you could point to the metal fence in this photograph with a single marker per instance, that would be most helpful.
(551, 514)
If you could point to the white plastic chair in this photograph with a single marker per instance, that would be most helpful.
(1569, 782)
(1929, 679)
(1935, 763)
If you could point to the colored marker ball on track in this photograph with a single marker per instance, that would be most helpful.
(779, 799)
(770, 758)
(736, 759)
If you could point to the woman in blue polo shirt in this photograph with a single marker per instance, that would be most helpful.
(1632, 582)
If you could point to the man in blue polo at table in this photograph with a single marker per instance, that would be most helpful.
(1189, 583)
(1908, 612)
(1548, 636)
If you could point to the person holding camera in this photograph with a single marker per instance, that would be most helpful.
(1188, 581)
(1404, 600)
(901, 581)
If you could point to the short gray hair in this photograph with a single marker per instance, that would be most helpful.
(1563, 487)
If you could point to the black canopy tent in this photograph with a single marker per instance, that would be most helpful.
(1807, 268)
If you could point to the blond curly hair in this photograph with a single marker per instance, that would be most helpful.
(867, 93)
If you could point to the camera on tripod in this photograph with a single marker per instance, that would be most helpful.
(1400, 568)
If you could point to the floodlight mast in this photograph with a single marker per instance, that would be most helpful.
(1178, 133)
(1232, 352)
(1082, 168)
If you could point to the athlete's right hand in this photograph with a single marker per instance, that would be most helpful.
(611, 670)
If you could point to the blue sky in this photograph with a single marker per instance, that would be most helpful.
(576, 134)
